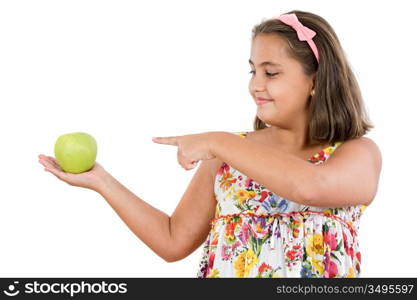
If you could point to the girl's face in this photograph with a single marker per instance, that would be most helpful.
(281, 80)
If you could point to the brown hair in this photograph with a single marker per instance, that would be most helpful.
(336, 110)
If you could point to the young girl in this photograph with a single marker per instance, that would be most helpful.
(280, 207)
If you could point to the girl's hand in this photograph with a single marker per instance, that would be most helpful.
(191, 148)
(90, 179)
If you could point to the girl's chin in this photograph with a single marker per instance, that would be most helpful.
(267, 117)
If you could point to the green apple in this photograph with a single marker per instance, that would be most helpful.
(76, 152)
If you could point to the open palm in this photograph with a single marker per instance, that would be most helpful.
(89, 179)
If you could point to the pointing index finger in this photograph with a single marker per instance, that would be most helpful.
(170, 140)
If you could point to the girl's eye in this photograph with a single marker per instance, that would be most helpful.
(267, 74)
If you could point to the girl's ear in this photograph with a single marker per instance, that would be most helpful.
(313, 81)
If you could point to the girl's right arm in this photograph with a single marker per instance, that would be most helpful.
(172, 238)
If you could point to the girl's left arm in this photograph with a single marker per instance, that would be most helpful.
(350, 177)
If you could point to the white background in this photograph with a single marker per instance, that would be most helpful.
(125, 71)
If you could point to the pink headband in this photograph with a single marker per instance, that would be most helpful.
(304, 33)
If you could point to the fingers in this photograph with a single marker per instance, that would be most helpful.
(51, 166)
(51, 160)
(180, 159)
(184, 164)
(55, 162)
(191, 166)
(43, 161)
(46, 162)
(48, 166)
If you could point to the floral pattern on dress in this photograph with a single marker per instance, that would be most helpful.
(256, 233)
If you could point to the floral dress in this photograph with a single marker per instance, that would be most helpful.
(256, 233)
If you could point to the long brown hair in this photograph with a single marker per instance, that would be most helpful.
(336, 110)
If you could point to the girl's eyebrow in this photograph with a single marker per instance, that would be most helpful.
(266, 63)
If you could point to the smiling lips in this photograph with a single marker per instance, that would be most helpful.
(260, 101)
